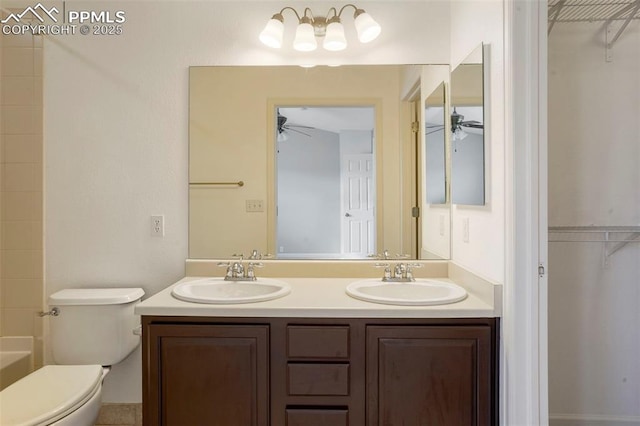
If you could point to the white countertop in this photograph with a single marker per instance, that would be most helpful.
(316, 298)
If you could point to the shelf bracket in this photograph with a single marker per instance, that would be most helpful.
(555, 11)
(610, 38)
(621, 244)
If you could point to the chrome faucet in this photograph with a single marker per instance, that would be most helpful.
(385, 255)
(401, 272)
(256, 255)
(236, 271)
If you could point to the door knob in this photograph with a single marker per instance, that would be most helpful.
(347, 215)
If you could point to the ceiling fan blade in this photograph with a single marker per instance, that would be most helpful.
(300, 126)
(432, 126)
(435, 130)
(472, 124)
(297, 131)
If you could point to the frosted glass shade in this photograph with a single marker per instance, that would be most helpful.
(459, 134)
(273, 33)
(305, 40)
(368, 29)
(334, 39)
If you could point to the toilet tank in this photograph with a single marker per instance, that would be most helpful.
(94, 326)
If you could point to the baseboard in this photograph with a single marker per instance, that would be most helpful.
(592, 420)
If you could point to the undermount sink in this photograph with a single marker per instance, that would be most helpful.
(421, 292)
(219, 291)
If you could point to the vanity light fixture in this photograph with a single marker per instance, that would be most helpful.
(330, 28)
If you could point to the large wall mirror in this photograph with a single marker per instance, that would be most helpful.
(260, 164)
(467, 131)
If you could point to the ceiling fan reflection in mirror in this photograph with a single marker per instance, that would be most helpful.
(283, 128)
(457, 124)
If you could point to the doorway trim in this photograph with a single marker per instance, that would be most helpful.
(523, 370)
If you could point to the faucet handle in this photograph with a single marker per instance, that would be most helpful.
(409, 272)
(250, 273)
(256, 255)
(387, 269)
(229, 273)
(382, 256)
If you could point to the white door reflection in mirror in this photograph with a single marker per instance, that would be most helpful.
(325, 189)
(358, 202)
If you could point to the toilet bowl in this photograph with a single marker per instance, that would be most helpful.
(94, 328)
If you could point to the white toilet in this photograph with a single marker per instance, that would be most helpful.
(92, 330)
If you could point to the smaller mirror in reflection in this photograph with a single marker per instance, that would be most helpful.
(325, 189)
(435, 147)
(467, 131)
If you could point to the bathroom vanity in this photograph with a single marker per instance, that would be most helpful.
(318, 357)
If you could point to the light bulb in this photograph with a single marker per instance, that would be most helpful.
(273, 32)
(305, 39)
(459, 134)
(368, 29)
(282, 136)
(334, 39)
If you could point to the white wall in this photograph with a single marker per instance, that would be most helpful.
(115, 131)
(594, 176)
(308, 193)
(473, 22)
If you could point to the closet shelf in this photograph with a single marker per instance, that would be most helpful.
(614, 237)
(607, 11)
(593, 10)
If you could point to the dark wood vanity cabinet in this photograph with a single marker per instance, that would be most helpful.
(319, 372)
(429, 375)
(215, 375)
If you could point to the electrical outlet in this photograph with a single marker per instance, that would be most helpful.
(465, 230)
(254, 206)
(157, 226)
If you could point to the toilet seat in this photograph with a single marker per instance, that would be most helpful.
(49, 394)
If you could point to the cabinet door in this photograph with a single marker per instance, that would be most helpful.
(207, 375)
(429, 376)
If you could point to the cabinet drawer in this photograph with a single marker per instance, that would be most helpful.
(328, 342)
(317, 417)
(318, 379)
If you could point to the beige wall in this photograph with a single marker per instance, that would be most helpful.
(21, 186)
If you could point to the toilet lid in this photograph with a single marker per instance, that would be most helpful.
(48, 394)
